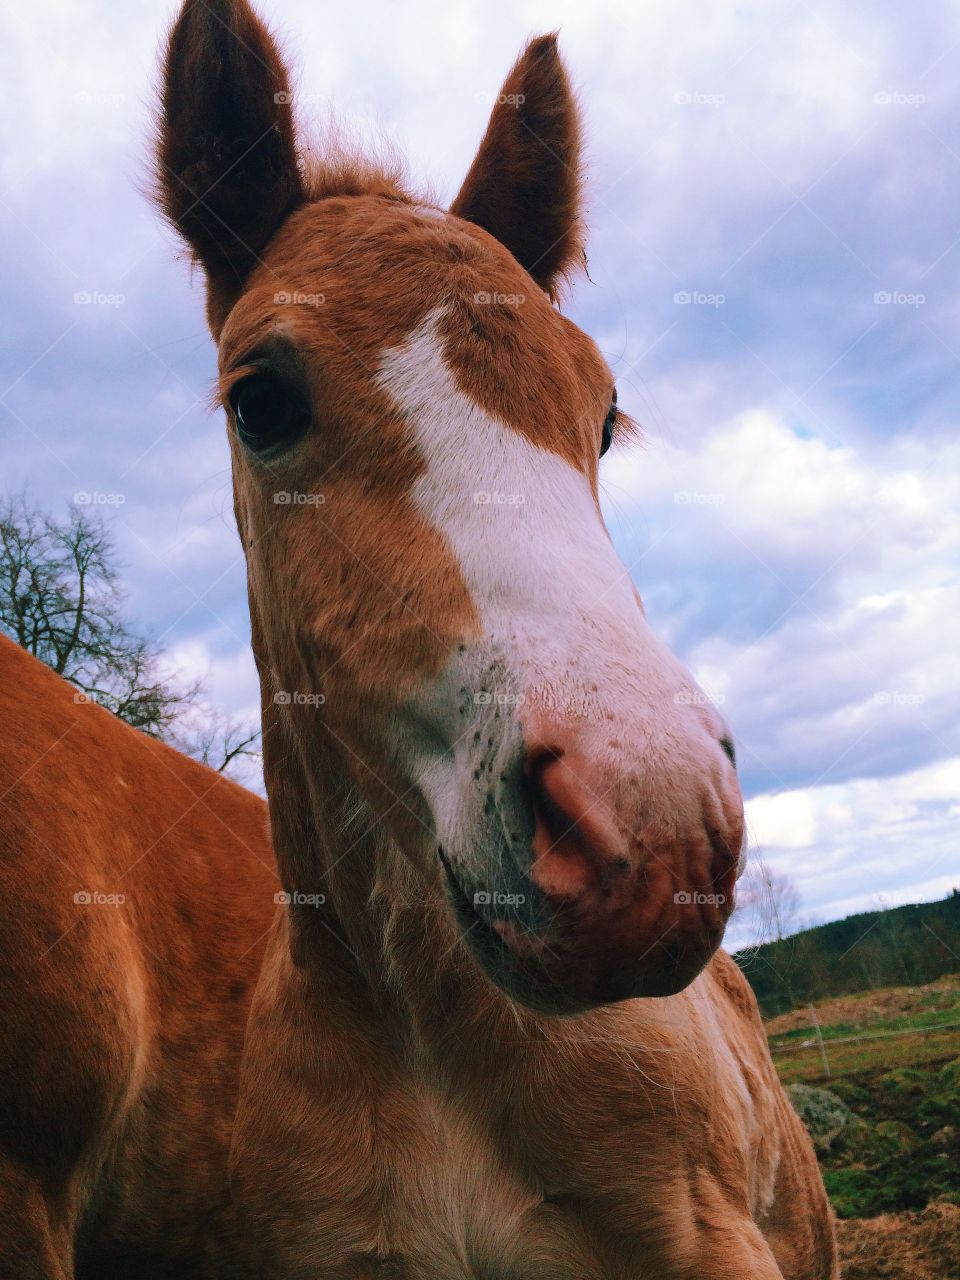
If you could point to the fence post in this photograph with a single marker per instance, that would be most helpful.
(821, 1046)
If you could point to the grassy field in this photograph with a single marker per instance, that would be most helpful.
(899, 1026)
(876, 1076)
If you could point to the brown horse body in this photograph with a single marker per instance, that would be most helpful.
(137, 887)
(436, 1122)
(492, 1035)
(420, 1128)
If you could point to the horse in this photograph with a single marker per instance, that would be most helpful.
(138, 888)
(493, 1034)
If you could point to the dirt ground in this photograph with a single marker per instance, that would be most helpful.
(902, 1246)
(874, 1006)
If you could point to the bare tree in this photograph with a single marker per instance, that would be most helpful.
(218, 740)
(60, 598)
(768, 902)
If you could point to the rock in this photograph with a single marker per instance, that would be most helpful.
(824, 1114)
(944, 1137)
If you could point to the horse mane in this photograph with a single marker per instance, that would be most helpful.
(336, 161)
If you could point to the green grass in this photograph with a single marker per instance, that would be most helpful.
(900, 1147)
(932, 1047)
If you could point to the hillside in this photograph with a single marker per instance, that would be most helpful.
(876, 1079)
(902, 946)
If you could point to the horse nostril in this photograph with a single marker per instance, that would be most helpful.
(548, 810)
(578, 846)
(728, 750)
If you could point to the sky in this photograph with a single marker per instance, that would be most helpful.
(774, 276)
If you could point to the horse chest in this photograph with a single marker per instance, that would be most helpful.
(447, 1205)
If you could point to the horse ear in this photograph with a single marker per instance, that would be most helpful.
(227, 172)
(524, 184)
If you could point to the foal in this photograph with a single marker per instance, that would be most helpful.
(503, 818)
(136, 888)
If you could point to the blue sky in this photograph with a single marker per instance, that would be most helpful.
(774, 195)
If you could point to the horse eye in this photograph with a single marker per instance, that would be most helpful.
(606, 440)
(267, 413)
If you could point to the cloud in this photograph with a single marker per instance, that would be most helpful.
(774, 275)
(861, 845)
(811, 587)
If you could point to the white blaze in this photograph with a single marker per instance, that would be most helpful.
(552, 593)
(564, 647)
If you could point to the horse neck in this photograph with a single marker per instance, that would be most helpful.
(382, 930)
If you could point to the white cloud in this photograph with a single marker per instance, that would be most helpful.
(863, 844)
(826, 573)
(784, 494)
(813, 587)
